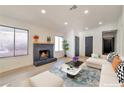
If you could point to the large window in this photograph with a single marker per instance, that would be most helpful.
(58, 43)
(13, 41)
(6, 41)
(21, 42)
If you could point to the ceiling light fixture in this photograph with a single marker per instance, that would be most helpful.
(100, 23)
(86, 28)
(66, 23)
(86, 11)
(43, 11)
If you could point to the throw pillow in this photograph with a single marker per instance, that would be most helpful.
(120, 73)
(111, 56)
(95, 55)
(116, 61)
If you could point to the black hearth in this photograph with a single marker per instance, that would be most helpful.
(43, 54)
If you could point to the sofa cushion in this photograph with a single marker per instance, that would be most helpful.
(93, 65)
(107, 69)
(98, 61)
(108, 81)
(95, 62)
(46, 79)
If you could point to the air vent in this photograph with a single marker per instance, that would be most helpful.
(73, 7)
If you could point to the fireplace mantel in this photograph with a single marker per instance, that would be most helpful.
(43, 43)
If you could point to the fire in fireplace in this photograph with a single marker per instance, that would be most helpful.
(44, 54)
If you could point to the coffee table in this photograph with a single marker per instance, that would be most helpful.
(71, 68)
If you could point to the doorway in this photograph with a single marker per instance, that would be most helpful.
(109, 42)
(88, 46)
(108, 45)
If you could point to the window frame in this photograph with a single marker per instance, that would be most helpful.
(14, 28)
(59, 43)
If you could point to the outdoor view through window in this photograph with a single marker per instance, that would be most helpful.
(13, 42)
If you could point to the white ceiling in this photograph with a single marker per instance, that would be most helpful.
(56, 15)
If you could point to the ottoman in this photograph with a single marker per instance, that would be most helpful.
(46, 79)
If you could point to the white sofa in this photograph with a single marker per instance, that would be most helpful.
(108, 77)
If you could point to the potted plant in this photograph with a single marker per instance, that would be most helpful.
(65, 47)
(36, 37)
(48, 39)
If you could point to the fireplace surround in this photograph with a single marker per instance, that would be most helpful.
(43, 54)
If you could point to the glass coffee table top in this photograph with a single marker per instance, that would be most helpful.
(74, 64)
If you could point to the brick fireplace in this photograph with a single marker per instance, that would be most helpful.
(43, 54)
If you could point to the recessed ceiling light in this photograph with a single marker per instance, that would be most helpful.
(86, 11)
(100, 23)
(66, 23)
(43, 11)
(86, 28)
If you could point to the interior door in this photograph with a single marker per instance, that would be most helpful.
(76, 46)
(88, 46)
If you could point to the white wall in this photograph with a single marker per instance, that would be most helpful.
(120, 35)
(70, 36)
(15, 62)
(70, 40)
(97, 37)
(122, 32)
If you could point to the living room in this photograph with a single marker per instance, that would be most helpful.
(82, 26)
